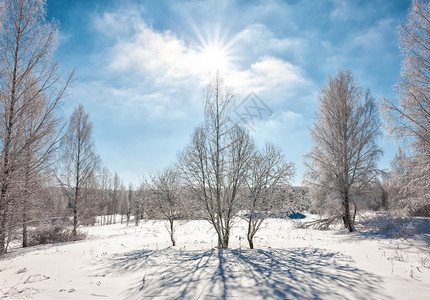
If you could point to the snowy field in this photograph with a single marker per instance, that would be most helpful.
(386, 259)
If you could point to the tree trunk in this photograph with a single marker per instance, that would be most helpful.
(75, 220)
(25, 197)
(172, 238)
(347, 215)
(3, 215)
(6, 172)
(24, 222)
(251, 243)
(224, 239)
(249, 235)
(220, 243)
(355, 213)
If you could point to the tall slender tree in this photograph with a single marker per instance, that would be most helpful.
(37, 161)
(79, 162)
(105, 182)
(130, 201)
(139, 203)
(344, 153)
(115, 199)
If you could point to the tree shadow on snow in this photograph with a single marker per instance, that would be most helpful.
(301, 273)
(406, 230)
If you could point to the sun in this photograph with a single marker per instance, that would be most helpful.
(214, 58)
(214, 47)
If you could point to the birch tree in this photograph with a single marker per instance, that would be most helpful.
(344, 153)
(79, 162)
(215, 162)
(28, 74)
(409, 119)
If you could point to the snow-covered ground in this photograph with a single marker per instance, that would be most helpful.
(120, 262)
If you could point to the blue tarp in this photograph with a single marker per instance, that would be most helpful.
(281, 215)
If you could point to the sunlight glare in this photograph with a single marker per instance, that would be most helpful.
(214, 58)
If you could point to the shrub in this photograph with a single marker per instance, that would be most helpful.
(54, 234)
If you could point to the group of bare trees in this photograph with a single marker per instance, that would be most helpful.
(31, 91)
(35, 140)
(342, 167)
(215, 162)
(109, 199)
(91, 190)
(221, 173)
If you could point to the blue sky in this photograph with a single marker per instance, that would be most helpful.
(142, 66)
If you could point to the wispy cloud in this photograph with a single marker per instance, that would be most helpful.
(375, 38)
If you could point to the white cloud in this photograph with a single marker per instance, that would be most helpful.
(282, 120)
(160, 54)
(117, 24)
(375, 37)
(257, 40)
(341, 10)
(276, 72)
(268, 74)
(346, 10)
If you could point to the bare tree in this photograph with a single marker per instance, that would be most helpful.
(35, 166)
(410, 119)
(42, 126)
(79, 162)
(28, 75)
(215, 162)
(105, 182)
(123, 201)
(166, 197)
(269, 173)
(344, 154)
(130, 202)
(115, 197)
(138, 206)
(397, 181)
